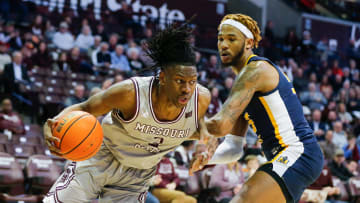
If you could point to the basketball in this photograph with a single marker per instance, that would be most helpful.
(80, 135)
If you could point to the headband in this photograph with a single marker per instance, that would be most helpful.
(239, 26)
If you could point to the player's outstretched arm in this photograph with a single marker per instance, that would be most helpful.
(248, 81)
(121, 96)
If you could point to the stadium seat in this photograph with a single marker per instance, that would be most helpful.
(4, 139)
(2, 148)
(20, 151)
(23, 198)
(41, 172)
(11, 175)
(26, 140)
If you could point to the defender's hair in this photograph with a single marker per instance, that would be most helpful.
(250, 23)
(171, 46)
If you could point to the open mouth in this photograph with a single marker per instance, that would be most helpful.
(183, 100)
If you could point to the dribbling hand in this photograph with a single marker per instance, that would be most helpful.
(49, 138)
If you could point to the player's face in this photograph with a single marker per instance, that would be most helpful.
(179, 83)
(231, 43)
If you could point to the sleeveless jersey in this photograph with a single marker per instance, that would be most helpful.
(277, 117)
(141, 142)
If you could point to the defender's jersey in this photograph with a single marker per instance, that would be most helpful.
(143, 140)
(277, 117)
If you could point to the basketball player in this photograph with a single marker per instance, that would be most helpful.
(263, 97)
(149, 117)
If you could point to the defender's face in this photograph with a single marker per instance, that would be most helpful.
(231, 43)
(179, 83)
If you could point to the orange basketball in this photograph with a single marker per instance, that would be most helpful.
(80, 135)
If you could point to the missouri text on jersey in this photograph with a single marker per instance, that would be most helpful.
(166, 132)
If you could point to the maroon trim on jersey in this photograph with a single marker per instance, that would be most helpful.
(152, 112)
(196, 100)
(71, 175)
(137, 104)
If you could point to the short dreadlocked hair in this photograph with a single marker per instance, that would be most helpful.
(171, 46)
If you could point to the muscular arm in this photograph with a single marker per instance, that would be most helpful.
(120, 96)
(249, 80)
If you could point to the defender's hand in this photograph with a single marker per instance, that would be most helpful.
(202, 157)
(49, 138)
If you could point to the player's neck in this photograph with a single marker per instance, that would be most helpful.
(164, 109)
(243, 61)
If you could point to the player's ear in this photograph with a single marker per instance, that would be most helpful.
(162, 77)
(249, 43)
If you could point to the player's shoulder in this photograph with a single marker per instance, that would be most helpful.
(204, 94)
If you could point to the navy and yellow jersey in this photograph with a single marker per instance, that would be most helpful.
(277, 117)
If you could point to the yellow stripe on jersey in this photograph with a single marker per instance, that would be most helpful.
(273, 121)
(293, 90)
(247, 60)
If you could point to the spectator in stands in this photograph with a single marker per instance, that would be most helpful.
(103, 58)
(107, 83)
(213, 67)
(37, 27)
(353, 103)
(224, 93)
(338, 168)
(318, 126)
(336, 83)
(340, 137)
(100, 30)
(136, 64)
(77, 62)
(352, 166)
(42, 57)
(344, 116)
(286, 69)
(113, 41)
(78, 97)
(313, 98)
(4, 56)
(336, 70)
(352, 66)
(327, 146)
(331, 117)
(118, 78)
(85, 40)
(49, 31)
(229, 178)
(252, 164)
(63, 39)
(61, 64)
(215, 104)
(290, 44)
(183, 153)
(300, 82)
(351, 150)
(166, 191)
(9, 119)
(15, 74)
(143, 55)
(119, 60)
(325, 183)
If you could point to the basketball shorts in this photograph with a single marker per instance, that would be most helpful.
(295, 168)
(101, 177)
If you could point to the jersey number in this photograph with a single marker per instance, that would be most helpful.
(159, 140)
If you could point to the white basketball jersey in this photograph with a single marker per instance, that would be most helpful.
(143, 140)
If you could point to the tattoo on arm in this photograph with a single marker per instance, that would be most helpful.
(245, 85)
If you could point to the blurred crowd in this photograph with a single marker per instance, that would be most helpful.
(49, 64)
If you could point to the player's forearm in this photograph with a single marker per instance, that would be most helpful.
(75, 107)
(219, 126)
(230, 150)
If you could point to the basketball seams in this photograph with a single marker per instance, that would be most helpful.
(83, 139)
(90, 154)
(70, 127)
